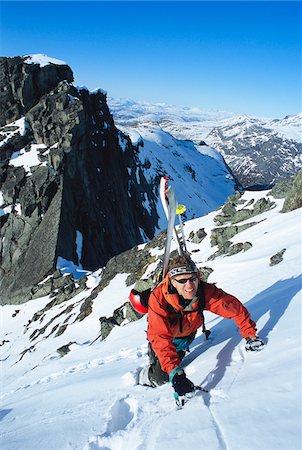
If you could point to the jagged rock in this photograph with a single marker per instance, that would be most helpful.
(60, 331)
(277, 258)
(14, 143)
(27, 350)
(229, 209)
(37, 259)
(85, 157)
(15, 179)
(229, 249)
(119, 315)
(281, 188)
(205, 272)
(108, 323)
(130, 314)
(65, 293)
(262, 205)
(64, 349)
(236, 198)
(239, 247)
(62, 281)
(293, 198)
(241, 215)
(39, 315)
(198, 236)
(86, 309)
(222, 234)
(106, 326)
(222, 250)
(22, 85)
(230, 214)
(41, 290)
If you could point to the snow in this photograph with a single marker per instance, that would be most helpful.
(27, 159)
(42, 60)
(69, 267)
(290, 127)
(9, 130)
(98, 91)
(200, 179)
(211, 152)
(196, 124)
(88, 399)
(6, 210)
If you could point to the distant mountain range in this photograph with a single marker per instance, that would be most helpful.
(259, 151)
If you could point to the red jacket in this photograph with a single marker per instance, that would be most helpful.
(164, 322)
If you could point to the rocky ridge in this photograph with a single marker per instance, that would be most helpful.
(82, 174)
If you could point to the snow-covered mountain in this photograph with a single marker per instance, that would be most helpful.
(181, 121)
(62, 388)
(200, 177)
(259, 151)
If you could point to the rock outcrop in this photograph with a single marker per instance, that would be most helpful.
(83, 186)
(291, 190)
(23, 84)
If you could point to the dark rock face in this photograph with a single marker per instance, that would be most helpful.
(293, 199)
(277, 258)
(198, 236)
(86, 182)
(291, 190)
(22, 85)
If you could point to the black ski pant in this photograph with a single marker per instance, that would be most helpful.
(156, 375)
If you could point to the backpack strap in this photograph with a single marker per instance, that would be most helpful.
(201, 305)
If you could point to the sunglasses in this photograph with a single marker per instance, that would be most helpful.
(184, 280)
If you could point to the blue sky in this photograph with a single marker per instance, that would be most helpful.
(243, 57)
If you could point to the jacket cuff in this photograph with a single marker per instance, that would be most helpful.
(174, 371)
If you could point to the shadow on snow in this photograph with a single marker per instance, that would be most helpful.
(273, 301)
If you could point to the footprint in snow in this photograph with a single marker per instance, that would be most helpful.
(121, 415)
(120, 428)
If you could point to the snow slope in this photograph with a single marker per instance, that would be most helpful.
(200, 177)
(88, 399)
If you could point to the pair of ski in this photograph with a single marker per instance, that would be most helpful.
(171, 209)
